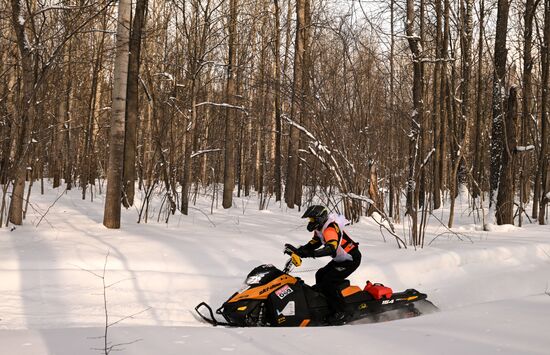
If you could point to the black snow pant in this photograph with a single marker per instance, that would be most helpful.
(331, 275)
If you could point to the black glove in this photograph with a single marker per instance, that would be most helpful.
(304, 252)
(289, 249)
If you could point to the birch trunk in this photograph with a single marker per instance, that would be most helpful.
(111, 216)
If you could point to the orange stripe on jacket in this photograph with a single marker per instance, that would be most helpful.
(330, 234)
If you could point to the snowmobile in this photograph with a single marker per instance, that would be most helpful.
(272, 297)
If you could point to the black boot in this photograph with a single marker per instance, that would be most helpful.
(337, 318)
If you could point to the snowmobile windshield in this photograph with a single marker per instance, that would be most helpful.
(255, 279)
(262, 275)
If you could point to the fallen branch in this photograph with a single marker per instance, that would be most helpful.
(385, 218)
(201, 211)
(449, 231)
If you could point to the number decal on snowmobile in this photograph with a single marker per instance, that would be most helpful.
(289, 310)
(362, 306)
(388, 301)
(283, 291)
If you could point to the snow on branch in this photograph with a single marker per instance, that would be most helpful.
(427, 158)
(359, 197)
(350, 164)
(314, 147)
(413, 37)
(437, 60)
(307, 133)
(204, 151)
(241, 108)
(524, 149)
(168, 76)
(332, 165)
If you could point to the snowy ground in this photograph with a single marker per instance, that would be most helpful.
(493, 289)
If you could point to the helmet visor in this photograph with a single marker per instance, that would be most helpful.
(314, 223)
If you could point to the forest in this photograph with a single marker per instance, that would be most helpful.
(387, 106)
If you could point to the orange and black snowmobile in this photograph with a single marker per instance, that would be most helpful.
(271, 297)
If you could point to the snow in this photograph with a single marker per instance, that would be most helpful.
(204, 151)
(167, 76)
(493, 288)
(525, 148)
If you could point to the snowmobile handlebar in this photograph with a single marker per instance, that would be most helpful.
(295, 259)
(290, 249)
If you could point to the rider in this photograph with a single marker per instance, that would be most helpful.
(330, 239)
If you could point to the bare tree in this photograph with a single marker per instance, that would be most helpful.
(111, 216)
(297, 102)
(527, 101)
(24, 115)
(413, 39)
(346, 81)
(463, 160)
(231, 114)
(277, 102)
(132, 105)
(544, 157)
(499, 96)
(479, 120)
(505, 198)
(436, 110)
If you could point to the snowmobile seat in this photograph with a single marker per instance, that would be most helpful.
(343, 285)
(350, 290)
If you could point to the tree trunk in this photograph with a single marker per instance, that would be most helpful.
(461, 165)
(132, 105)
(544, 158)
(499, 95)
(24, 115)
(527, 103)
(305, 117)
(111, 216)
(436, 114)
(416, 120)
(231, 92)
(296, 104)
(393, 135)
(505, 198)
(466, 41)
(444, 97)
(479, 123)
(278, 126)
(187, 160)
(88, 158)
(374, 192)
